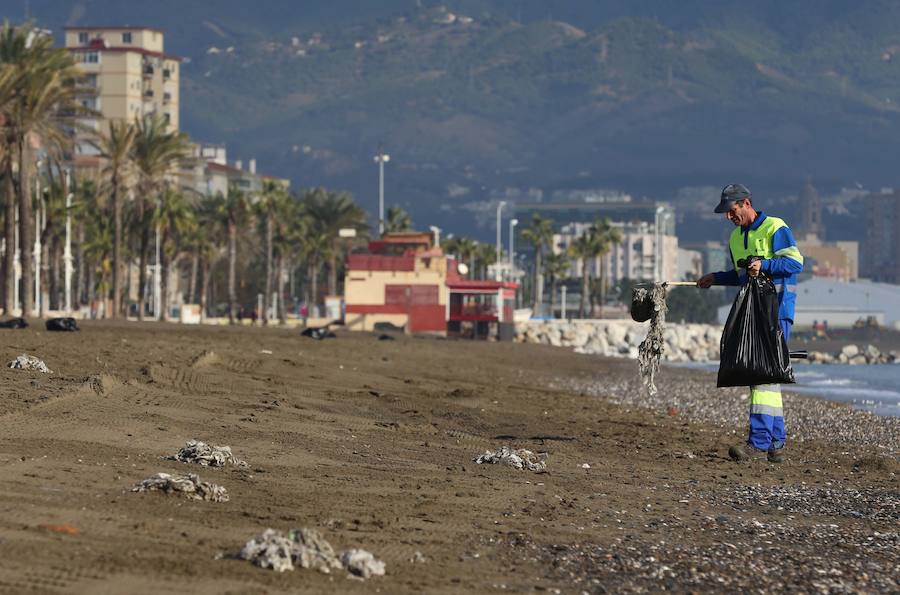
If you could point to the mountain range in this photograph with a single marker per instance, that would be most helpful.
(475, 100)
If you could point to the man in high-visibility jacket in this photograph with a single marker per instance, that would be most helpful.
(770, 239)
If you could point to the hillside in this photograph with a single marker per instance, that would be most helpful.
(472, 97)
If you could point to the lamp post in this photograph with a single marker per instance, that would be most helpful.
(381, 158)
(67, 252)
(512, 248)
(37, 240)
(657, 251)
(500, 206)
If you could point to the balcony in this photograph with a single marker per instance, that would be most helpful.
(148, 94)
(148, 71)
(167, 74)
(167, 98)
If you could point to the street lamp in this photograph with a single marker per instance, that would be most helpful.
(657, 251)
(512, 250)
(381, 159)
(67, 252)
(500, 206)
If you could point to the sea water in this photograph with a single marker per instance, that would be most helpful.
(874, 387)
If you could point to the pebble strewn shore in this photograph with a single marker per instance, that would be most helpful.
(684, 342)
(693, 393)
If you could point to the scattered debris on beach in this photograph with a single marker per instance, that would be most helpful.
(29, 362)
(189, 484)
(307, 548)
(14, 323)
(362, 563)
(67, 325)
(520, 459)
(651, 349)
(318, 333)
(207, 455)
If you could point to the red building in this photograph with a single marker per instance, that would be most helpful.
(407, 282)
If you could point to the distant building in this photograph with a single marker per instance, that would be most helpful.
(690, 264)
(881, 248)
(840, 304)
(407, 282)
(715, 256)
(209, 173)
(129, 76)
(811, 213)
(563, 213)
(635, 257)
(836, 260)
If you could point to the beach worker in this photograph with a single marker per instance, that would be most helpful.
(770, 239)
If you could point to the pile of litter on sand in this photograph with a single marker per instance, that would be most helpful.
(307, 548)
(520, 459)
(207, 455)
(651, 349)
(362, 563)
(29, 362)
(190, 485)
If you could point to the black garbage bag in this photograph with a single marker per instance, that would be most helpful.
(318, 333)
(61, 324)
(14, 323)
(753, 349)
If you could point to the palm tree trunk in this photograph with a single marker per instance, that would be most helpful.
(553, 288)
(9, 231)
(80, 284)
(585, 282)
(56, 301)
(332, 272)
(204, 285)
(314, 281)
(268, 299)
(45, 268)
(117, 247)
(192, 285)
(538, 280)
(142, 270)
(601, 282)
(164, 279)
(282, 314)
(26, 229)
(232, 265)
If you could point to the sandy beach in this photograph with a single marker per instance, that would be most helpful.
(372, 443)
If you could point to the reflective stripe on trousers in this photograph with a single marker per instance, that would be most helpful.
(767, 411)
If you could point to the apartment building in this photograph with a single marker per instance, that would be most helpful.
(881, 247)
(129, 72)
(642, 254)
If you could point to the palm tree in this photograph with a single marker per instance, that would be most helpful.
(116, 148)
(204, 238)
(485, 255)
(156, 153)
(556, 265)
(44, 106)
(233, 210)
(174, 219)
(330, 212)
(583, 248)
(266, 209)
(539, 234)
(398, 220)
(466, 249)
(605, 236)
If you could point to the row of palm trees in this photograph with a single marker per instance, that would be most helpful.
(137, 202)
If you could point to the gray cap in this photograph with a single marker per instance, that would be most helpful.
(731, 194)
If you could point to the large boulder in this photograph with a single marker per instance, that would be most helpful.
(850, 351)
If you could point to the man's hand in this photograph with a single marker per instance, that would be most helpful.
(706, 281)
(753, 268)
